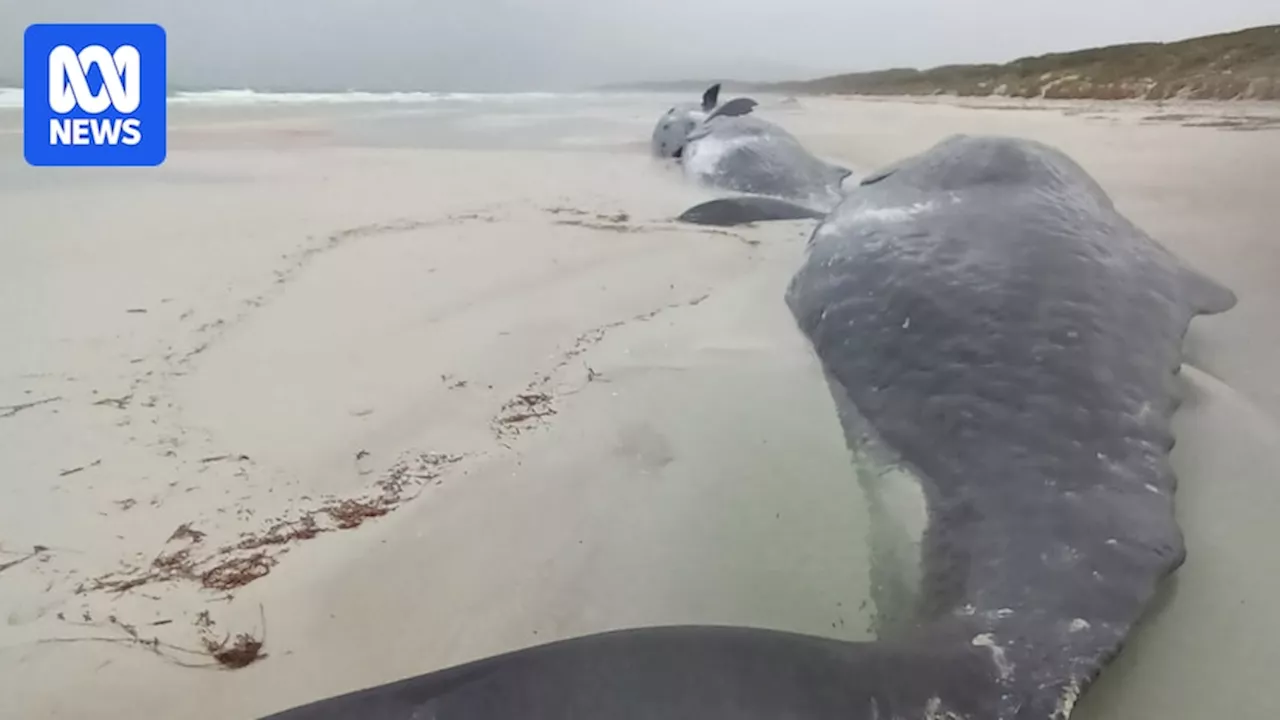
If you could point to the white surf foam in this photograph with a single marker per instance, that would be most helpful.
(12, 97)
(253, 97)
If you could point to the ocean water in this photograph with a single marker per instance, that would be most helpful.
(11, 97)
(248, 120)
(482, 121)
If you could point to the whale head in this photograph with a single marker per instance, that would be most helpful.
(673, 128)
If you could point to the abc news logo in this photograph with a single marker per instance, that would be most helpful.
(69, 89)
(94, 95)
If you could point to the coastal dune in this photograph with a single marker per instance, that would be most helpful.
(416, 404)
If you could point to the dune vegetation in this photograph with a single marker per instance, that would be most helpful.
(1242, 65)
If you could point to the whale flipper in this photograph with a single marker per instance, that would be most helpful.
(726, 212)
(841, 172)
(877, 176)
(710, 97)
(1206, 295)
(685, 673)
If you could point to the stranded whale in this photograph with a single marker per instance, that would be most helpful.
(672, 130)
(986, 317)
(729, 148)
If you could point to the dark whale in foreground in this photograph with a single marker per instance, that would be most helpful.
(985, 315)
(983, 311)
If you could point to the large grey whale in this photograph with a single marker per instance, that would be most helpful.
(987, 318)
(730, 148)
(751, 155)
(984, 311)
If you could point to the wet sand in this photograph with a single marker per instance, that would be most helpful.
(428, 386)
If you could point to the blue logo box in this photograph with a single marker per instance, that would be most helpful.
(94, 95)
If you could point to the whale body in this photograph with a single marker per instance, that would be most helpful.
(992, 325)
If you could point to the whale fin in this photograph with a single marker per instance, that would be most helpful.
(711, 673)
(842, 173)
(725, 212)
(710, 97)
(733, 108)
(1206, 295)
(878, 175)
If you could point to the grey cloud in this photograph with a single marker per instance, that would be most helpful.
(559, 44)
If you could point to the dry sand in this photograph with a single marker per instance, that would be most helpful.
(570, 413)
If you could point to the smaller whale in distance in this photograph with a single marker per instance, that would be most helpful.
(728, 147)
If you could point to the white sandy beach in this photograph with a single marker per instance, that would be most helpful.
(591, 417)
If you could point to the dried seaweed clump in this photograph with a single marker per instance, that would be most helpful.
(233, 566)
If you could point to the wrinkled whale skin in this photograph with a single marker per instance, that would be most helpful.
(983, 310)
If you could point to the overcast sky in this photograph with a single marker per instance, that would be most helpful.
(555, 44)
